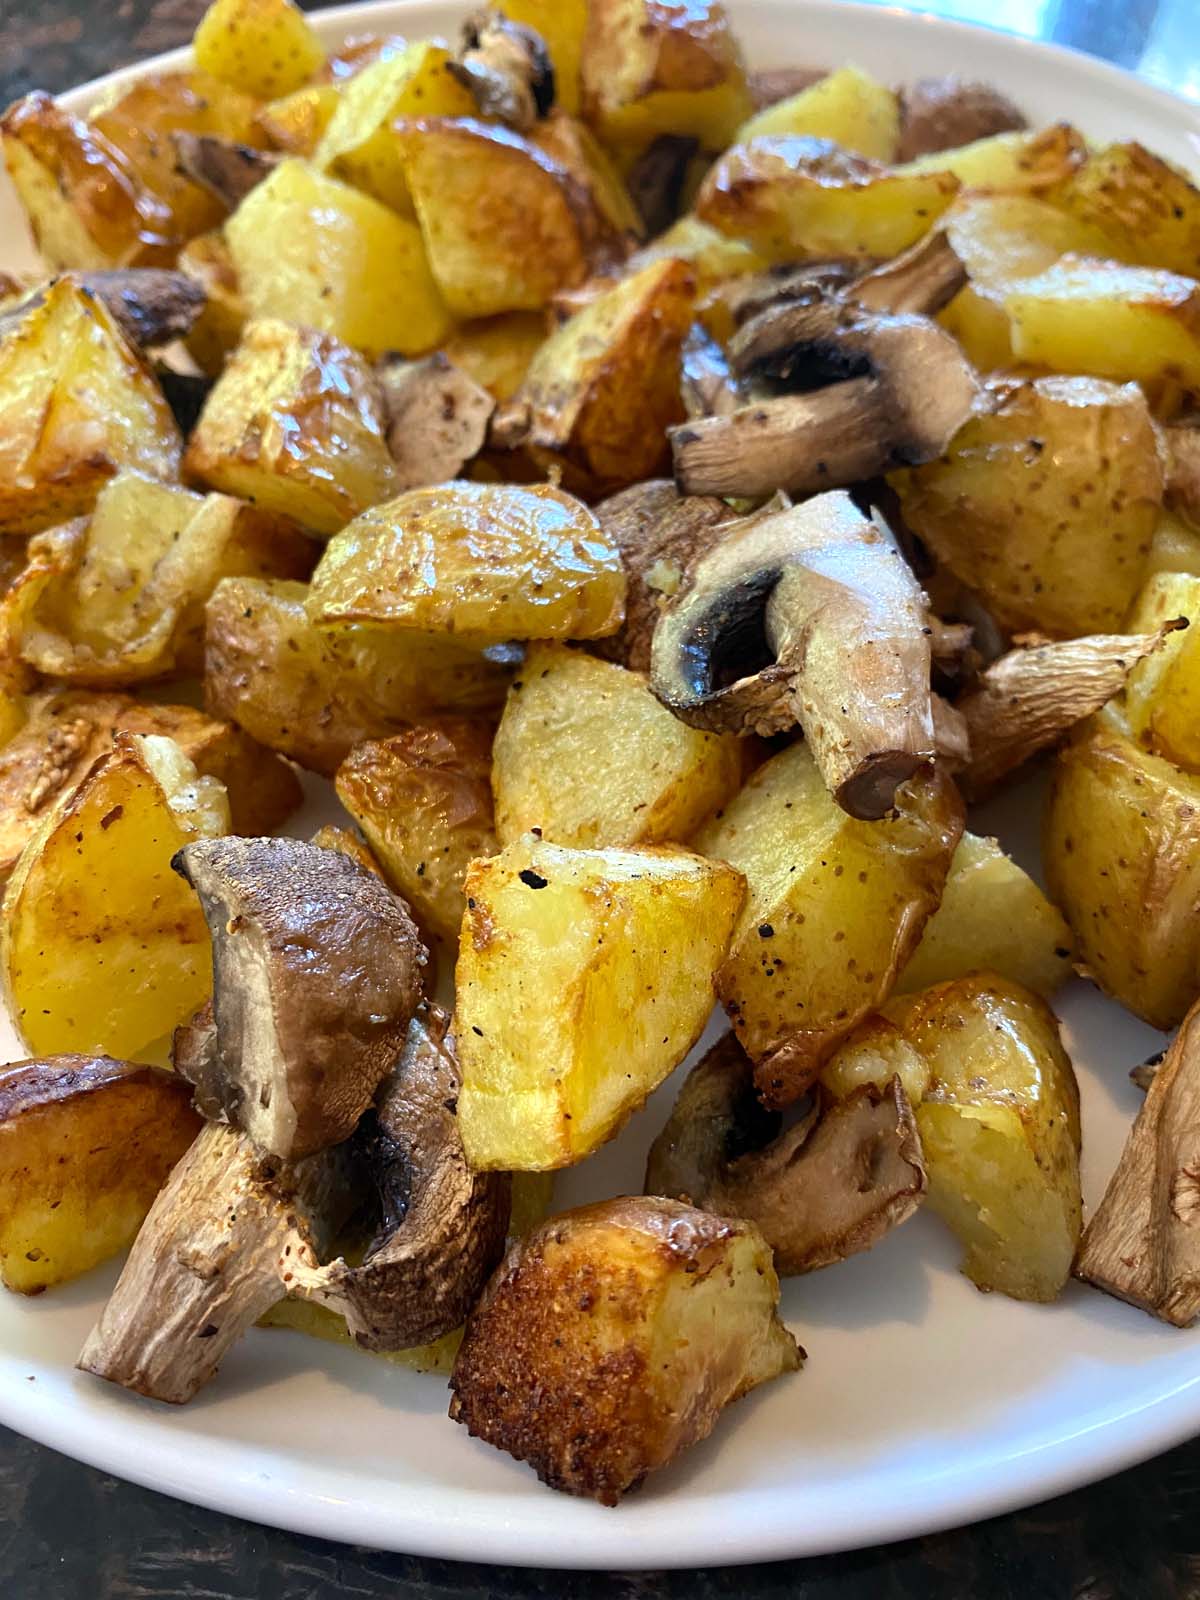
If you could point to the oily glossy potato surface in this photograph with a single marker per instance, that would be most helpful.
(1148, 206)
(848, 107)
(1162, 697)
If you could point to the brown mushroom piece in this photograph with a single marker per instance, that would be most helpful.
(773, 84)
(920, 280)
(317, 970)
(747, 297)
(880, 391)
(828, 1187)
(507, 70)
(657, 177)
(150, 305)
(228, 170)
(942, 113)
(807, 615)
(437, 418)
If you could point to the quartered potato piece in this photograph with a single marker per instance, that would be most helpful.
(77, 404)
(1162, 698)
(489, 561)
(561, 25)
(1024, 162)
(609, 220)
(848, 107)
(295, 424)
(217, 331)
(263, 47)
(103, 947)
(584, 978)
(85, 1145)
(585, 755)
(497, 351)
(1149, 207)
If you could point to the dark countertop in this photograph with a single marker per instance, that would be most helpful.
(67, 1531)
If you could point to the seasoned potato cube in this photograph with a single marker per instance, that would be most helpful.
(103, 946)
(835, 909)
(85, 206)
(314, 693)
(85, 1145)
(561, 24)
(1151, 208)
(423, 799)
(1162, 697)
(596, 1389)
(263, 47)
(296, 123)
(650, 69)
(295, 424)
(495, 213)
(712, 255)
(317, 252)
(496, 352)
(794, 198)
(493, 561)
(555, 940)
(849, 107)
(587, 756)
(217, 331)
(1122, 855)
(359, 145)
(77, 404)
(992, 915)
(1046, 503)
(999, 1126)
(1026, 162)
(122, 599)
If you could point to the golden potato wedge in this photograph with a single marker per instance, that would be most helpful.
(217, 331)
(296, 122)
(423, 800)
(314, 693)
(999, 1126)
(713, 256)
(77, 404)
(103, 947)
(794, 198)
(1149, 207)
(1026, 162)
(602, 390)
(596, 1389)
(585, 755)
(317, 252)
(295, 424)
(848, 107)
(1162, 697)
(561, 25)
(85, 1145)
(490, 561)
(1121, 848)
(553, 940)
(496, 215)
(650, 69)
(992, 916)
(835, 909)
(86, 208)
(121, 600)
(608, 219)
(497, 351)
(1045, 503)
(263, 47)
(875, 1053)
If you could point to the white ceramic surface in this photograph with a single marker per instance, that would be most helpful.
(923, 1403)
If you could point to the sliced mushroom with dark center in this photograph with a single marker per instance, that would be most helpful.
(507, 69)
(828, 1187)
(228, 170)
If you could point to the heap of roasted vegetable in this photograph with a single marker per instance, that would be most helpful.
(658, 497)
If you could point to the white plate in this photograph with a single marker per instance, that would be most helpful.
(924, 1403)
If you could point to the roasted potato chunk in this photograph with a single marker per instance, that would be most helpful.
(793, 198)
(314, 693)
(296, 122)
(992, 916)
(714, 258)
(835, 909)
(554, 938)
(122, 599)
(317, 252)
(595, 1390)
(496, 351)
(585, 755)
(1162, 697)
(489, 561)
(217, 331)
(103, 946)
(85, 1145)
(875, 1053)
(77, 404)
(263, 47)
(1149, 207)
(1023, 162)
(424, 802)
(848, 107)
(295, 424)
(1122, 855)
(561, 25)
(999, 1127)
(1045, 503)
(1175, 547)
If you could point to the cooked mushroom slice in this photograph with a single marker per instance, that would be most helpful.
(1144, 1074)
(706, 384)
(437, 417)
(1183, 470)
(1143, 1242)
(150, 305)
(747, 297)
(1028, 699)
(225, 168)
(507, 70)
(897, 390)
(316, 973)
(807, 615)
(951, 735)
(830, 1186)
(922, 279)
(657, 177)
(941, 113)
(769, 87)
(211, 1258)
(442, 1226)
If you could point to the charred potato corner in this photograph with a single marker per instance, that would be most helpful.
(649, 502)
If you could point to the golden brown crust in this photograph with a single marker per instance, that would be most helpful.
(31, 1086)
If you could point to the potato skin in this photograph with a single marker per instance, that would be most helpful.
(611, 1338)
(85, 1144)
(263, 47)
(1149, 207)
